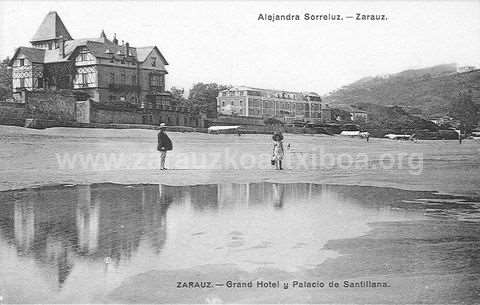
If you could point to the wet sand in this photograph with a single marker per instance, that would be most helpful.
(432, 259)
(431, 268)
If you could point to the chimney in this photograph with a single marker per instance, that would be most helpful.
(115, 40)
(127, 49)
(61, 46)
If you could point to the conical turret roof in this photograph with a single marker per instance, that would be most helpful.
(51, 27)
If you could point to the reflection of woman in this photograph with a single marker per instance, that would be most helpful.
(278, 151)
(277, 195)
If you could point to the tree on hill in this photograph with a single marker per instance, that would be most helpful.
(465, 110)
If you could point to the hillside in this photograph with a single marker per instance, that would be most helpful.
(394, 119)
(430, 90)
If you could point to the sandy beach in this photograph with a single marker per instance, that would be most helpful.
(29, 158)
(402, 214)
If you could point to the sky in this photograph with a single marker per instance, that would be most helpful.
(224, 42)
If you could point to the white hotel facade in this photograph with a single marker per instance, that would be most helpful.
(263, 103)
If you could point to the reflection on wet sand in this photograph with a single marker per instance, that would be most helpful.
(54, 226)
(59, 228)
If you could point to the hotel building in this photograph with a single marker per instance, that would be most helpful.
(264, 103)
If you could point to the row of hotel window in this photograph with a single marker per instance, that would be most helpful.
(257, 93)
(270, 111)
(255, 103)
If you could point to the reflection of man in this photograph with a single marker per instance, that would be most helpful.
(164, 145)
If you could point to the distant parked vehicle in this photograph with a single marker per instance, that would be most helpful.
(355, 133)
(393, 136)
(350, 133)
(224, 129)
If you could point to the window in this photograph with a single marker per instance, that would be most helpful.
(83, 55)
(84, 79)
(154, 61)
(122, 99)
(22, 82)
(112, 78)
(123, 78)
(157, 81)
(21, 62)
(40, 82)
(134, 80)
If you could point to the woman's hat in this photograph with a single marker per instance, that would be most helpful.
(277, 136)
(162, 125)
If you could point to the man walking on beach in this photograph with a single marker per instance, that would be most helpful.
(164, 145)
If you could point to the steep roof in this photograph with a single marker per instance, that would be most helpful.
(33, 54)
(143, 52)
(51, 27)
(106, 49)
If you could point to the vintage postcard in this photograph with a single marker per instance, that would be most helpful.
(252, 152)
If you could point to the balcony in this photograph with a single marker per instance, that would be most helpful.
(123, 88)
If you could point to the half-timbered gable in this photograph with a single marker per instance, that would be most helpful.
(27, 68)
(85, 75)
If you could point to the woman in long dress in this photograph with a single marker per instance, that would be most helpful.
(278, 151)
